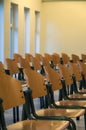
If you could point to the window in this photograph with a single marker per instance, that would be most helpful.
(26, 45)
(13, 29)
(37, 32)
(1, 31)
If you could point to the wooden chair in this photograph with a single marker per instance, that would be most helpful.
(37, 85)
(12, 95)
(17, 73)
(78, 76)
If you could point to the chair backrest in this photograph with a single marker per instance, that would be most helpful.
(83, 57)
(39, 56)
(67, 74)
(55, 58)
(2, 67)
(29, 57)
(77, 71)
(83, 65)
(24, 63)
(36, 63)
(10, 91)
(65, 58)
(12, 66)
(35, 82)
(53, 78)
(75, 58)
(46, 61)
(17, 57)
(48, 56)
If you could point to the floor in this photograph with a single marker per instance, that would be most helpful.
(9, 118)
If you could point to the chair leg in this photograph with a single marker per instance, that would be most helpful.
(71, 90)
(69, 127)
(15, 114)
(80, 87)
(60, 95)
(78, 118)
(41, 102)
(17, 110)
(14, 117)
(24, 115)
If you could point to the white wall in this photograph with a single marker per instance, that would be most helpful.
(34, 5)
(63, 27)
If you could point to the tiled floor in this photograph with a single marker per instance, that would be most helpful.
(9, 118)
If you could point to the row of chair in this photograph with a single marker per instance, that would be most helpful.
(13, 85)
(55, 81)
(12, 95)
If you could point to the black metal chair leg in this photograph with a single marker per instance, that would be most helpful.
(17, 110)
(60, 95)
(78, 118)
(14, 115)
(41, 102)
(24, 115)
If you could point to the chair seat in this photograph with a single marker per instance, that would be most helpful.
(77, 96)
(73, 113)
(71, 103)
(39, 125)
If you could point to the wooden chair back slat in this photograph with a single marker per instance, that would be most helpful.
(48, 56)
(36, 63)
(46, 61)
(17, 57)
(24, 63)
(10, 91)
(29, 57)
(35, 82)
(12, 66)
(65, 58)
(53, 78)
(67, 74)
(83, 57)
(75, 58)
(55, 58)
(77, 71)
(38, 56)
